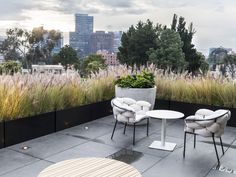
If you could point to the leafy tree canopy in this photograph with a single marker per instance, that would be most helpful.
(29, 46)
(194, 60)
(91, 64)
(67, 56)
(168, 55)
(228, 65)
(136, 42)
(10, 67)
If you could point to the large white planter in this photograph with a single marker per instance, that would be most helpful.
(145, 94)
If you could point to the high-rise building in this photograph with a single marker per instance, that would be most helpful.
(100, 40)
(117, 41)
(79, 40)
(83, 23)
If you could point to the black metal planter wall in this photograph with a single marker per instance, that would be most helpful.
(82, 114)
(24, 129)
(2, 140)
(16, 131)
(71, 117)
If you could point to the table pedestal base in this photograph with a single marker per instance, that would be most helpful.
(158, 145)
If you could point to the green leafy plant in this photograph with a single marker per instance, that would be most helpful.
(143, 80)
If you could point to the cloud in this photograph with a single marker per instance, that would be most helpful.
(118, 3)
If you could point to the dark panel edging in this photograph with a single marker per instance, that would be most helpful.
(20, 130)
(191, 108)
(23, 129)
(87, 113)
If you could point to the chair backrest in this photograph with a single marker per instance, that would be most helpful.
(205, 122)
(125, 109)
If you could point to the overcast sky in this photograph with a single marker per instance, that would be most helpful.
(214, 20)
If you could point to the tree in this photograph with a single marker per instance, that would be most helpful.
(192, 57)
(168, 55)
(42, 43)
(16, 45)
(228, 65)
(10, 67)
(29, 47)
(216, 57)
(92, 64)
(67, 56)
(136, 42)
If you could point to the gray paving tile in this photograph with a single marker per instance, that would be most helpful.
(89, 149)
(89, 130)
(228, 137)
(197, 163)
(10, 160)
(145, 162)
(121, 140)
(48, 145)
(31, 170)
(229, 159)
(106, 120)
(215, 173)
(176, 129)
(143, 144)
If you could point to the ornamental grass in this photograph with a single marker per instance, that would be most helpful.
(27, 95)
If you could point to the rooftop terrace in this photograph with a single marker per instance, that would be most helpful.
(93, 140)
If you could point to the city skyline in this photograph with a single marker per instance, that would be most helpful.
(212, 18)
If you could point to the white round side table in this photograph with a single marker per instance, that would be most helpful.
(164, 115)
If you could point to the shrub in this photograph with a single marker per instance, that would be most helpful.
(143, 80)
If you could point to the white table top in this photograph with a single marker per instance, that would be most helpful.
(165, 114)
(90, 167)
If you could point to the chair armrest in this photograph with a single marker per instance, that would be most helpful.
(144, 104)
(206, 118)
(122, 107)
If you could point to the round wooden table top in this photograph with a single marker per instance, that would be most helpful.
(90, 167)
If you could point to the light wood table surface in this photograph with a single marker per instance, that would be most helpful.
(90, 167)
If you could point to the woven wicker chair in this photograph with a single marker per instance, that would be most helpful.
(207, 123)
(129, 112)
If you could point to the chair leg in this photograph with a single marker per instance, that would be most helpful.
(134, 135)
(147, 126)
(125, 127)
(218, 160)
(194, 144)
(114, 129)
(185, 133)
(222, 147)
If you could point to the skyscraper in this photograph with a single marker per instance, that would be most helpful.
(79, 40)
(117, 41)
(100, 40)
(83, 23)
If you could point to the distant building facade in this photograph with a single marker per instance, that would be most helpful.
(1, 55)
(101, 40)
(110, 58)
(216, 55)
(79, 39)
(117, 41)
(58, 45)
